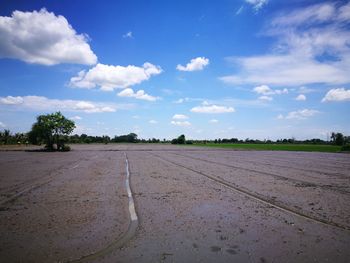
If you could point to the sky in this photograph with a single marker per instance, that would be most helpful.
(261, 69)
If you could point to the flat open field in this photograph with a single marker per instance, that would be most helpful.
(193, 204)
(275, 147)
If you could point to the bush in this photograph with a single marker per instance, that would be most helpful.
(189, 142)
(345, 148)
(65, 148)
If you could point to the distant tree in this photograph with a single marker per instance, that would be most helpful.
(51, 129)
(337, 138)
(5, 136)
(181, 139)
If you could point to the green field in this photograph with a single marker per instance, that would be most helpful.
(275, 147)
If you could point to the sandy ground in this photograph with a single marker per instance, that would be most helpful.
(193, 205)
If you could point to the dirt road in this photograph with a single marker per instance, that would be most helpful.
(192, 205)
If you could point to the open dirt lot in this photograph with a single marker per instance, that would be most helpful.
(192, 205)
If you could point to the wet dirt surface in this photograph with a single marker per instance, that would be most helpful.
(185, 213)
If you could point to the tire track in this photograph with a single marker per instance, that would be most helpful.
(257, 197)
(124, 238)
(269, 161)
(30, 185)
(277, 176)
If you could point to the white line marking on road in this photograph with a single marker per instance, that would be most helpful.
(75, 166)
(130, 233)
(128, 189)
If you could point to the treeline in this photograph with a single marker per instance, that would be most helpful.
(129, 138)
(6, 137)
(335, 139)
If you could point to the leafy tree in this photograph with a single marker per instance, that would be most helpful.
(180, 140)
(51, 129)
(337, 138)
(5, 136)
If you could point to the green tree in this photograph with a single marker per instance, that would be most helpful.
(5, 136)
(181, 139)
(337, 138)
(51, 129)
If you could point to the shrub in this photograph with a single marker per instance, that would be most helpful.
(65, 148)
(345, 148)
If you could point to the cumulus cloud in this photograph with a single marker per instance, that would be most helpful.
(208, 108)
(312, 47)
(40, 103)
(109, 77)
(300, 97)
(10, 100)
(180, 117)
(266, 90)
(339, 94)
(213, 121)
(257, 4)
(181, 123)
(299, 115)
(140, 95)
(2, 125)
(194, 65)
(153, 122)
(41, 37)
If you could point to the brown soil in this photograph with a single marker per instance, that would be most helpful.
(193, 204)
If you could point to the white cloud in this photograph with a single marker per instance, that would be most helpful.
(41, 37)
(153, 122)
(339, 94)
(128, 35)
(280, 117)
(2, 125)
(194, 65)
(181, 123)
(266, 98)
(76, 118)
(179, 101)
(140, 95)
(263, 89)
(180, 117)
(312, 47)
(257, 4)
(313, 14)
(301, 114)
(110, 77)
(266, 90)
(207, 108)
(39, 103)
(300, 97)
(10, 100)
(213, 121)
(344, 12)
(305, 90)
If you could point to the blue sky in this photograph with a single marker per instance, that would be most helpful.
(207, 69)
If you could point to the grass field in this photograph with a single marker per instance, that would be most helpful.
(275, 147)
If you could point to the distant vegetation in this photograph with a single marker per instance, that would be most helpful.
(53, 130)
(277, 147)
